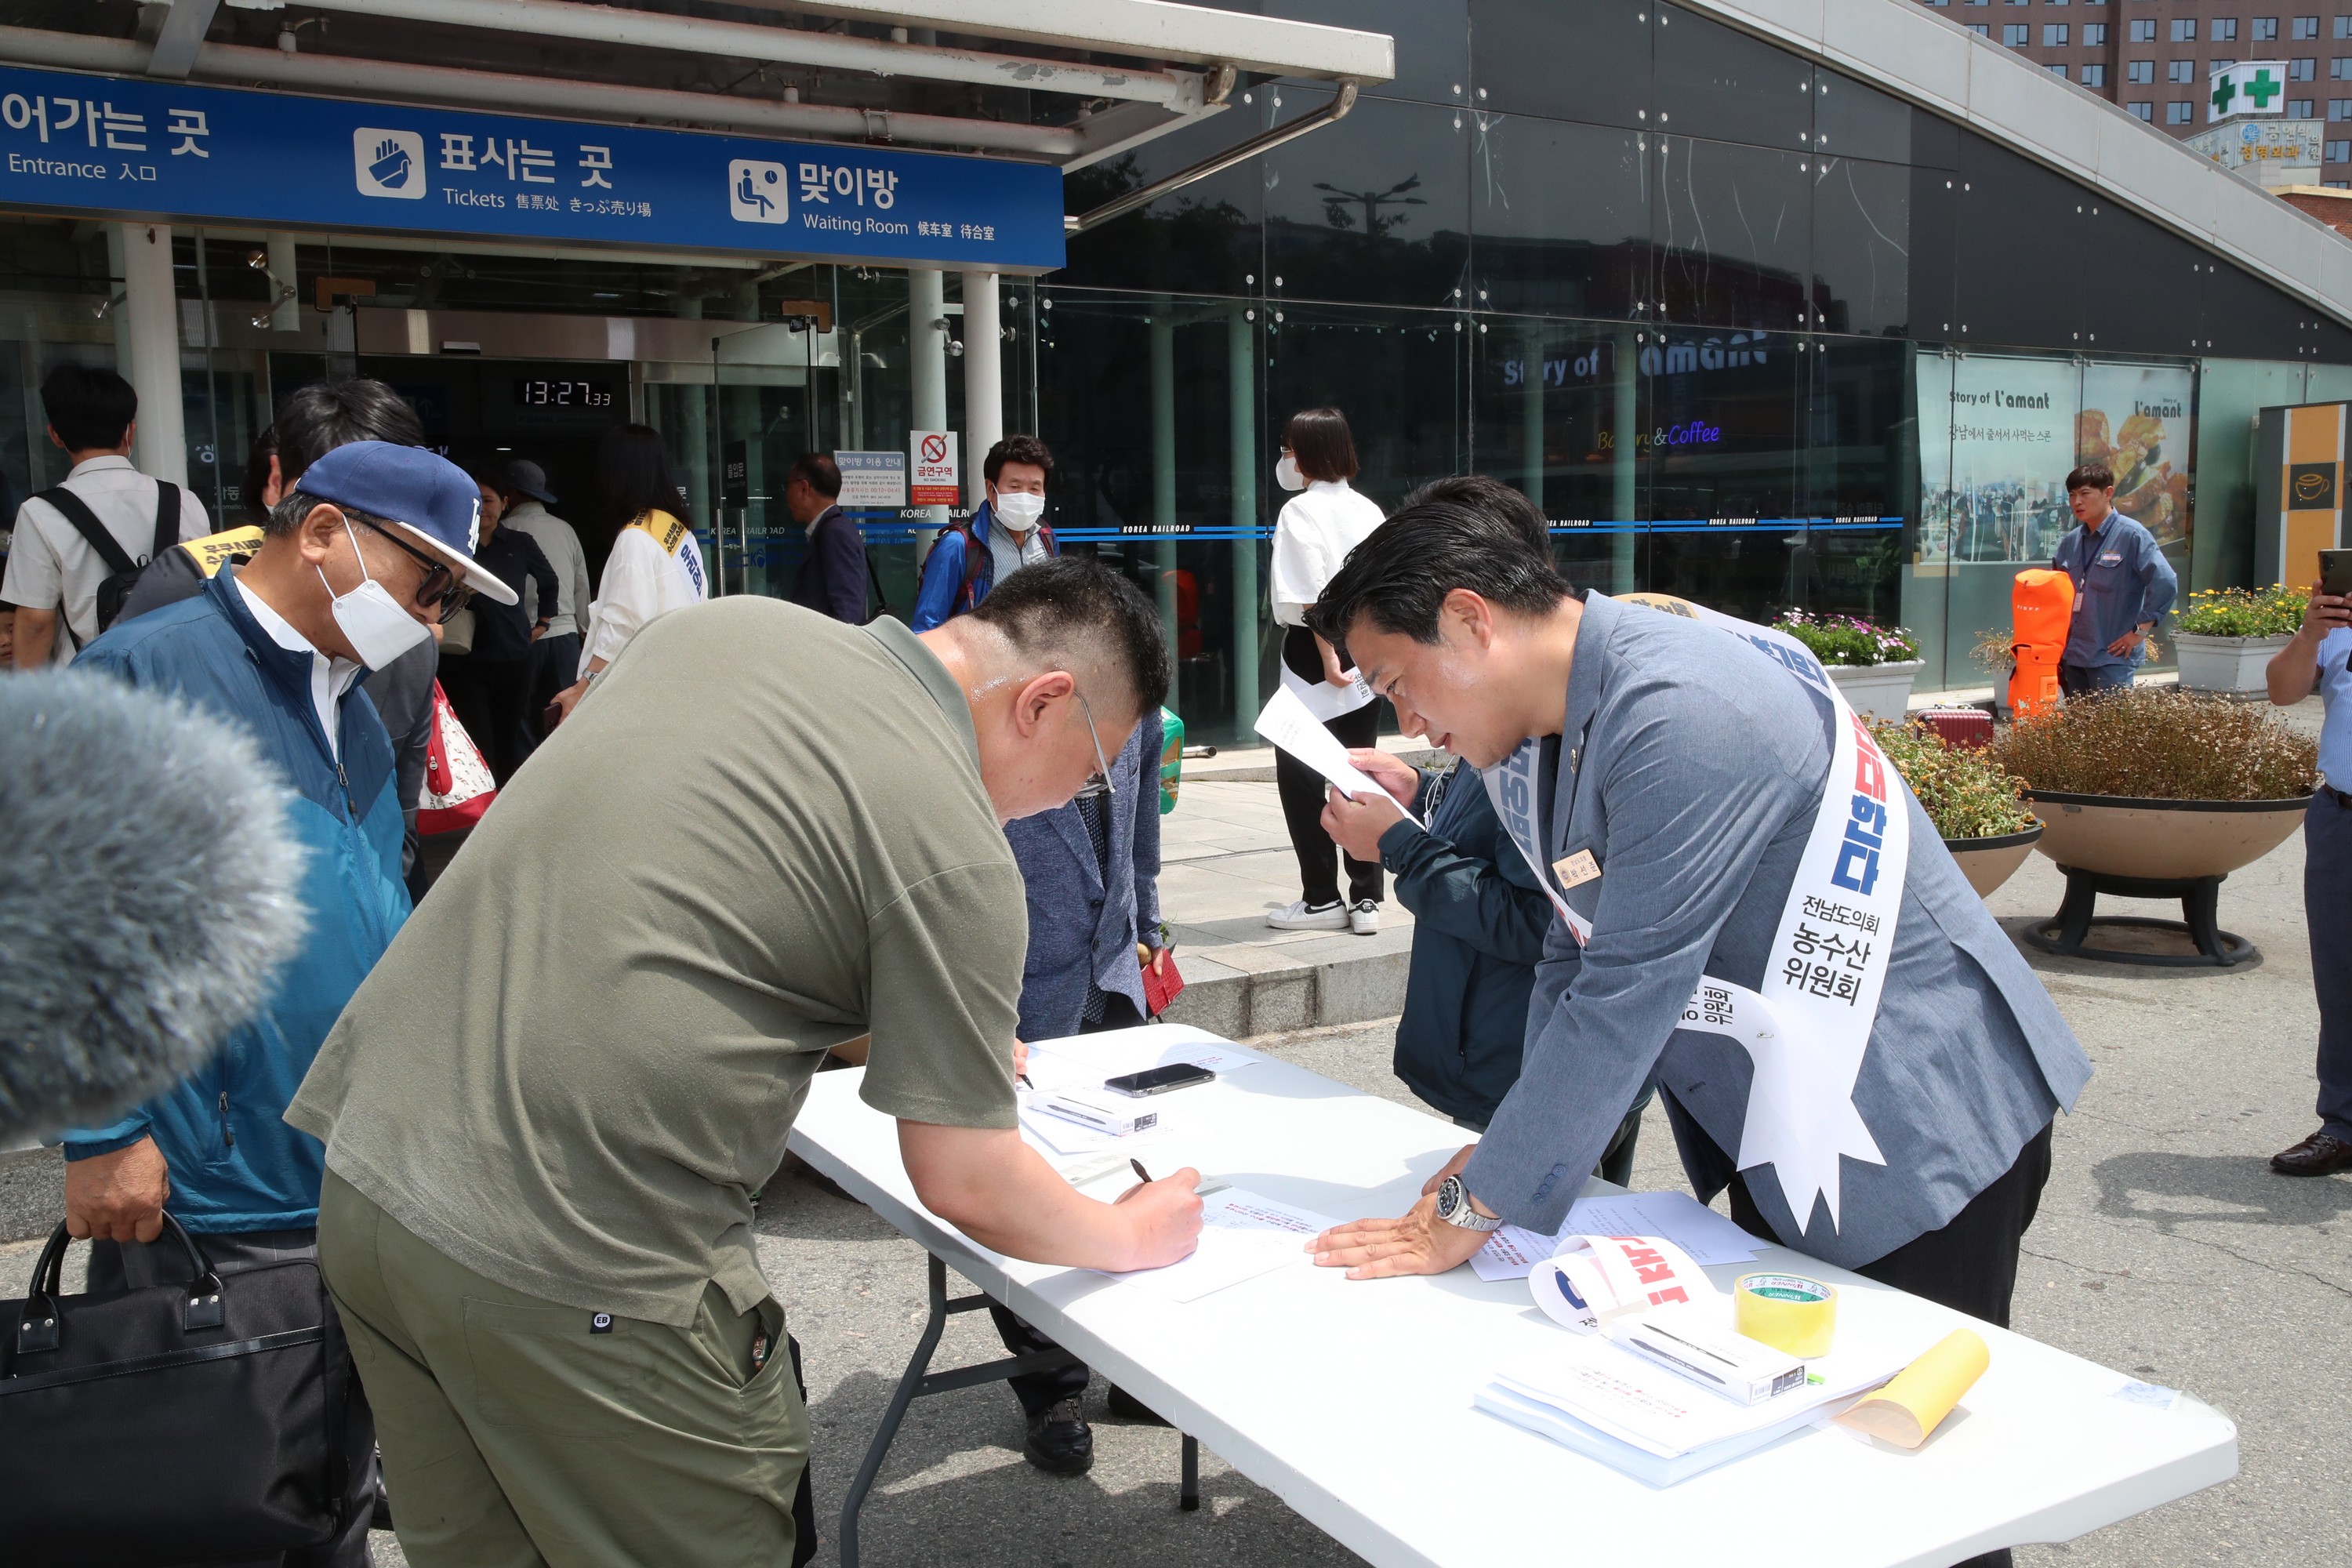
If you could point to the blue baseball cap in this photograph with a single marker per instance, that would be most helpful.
(422, 494)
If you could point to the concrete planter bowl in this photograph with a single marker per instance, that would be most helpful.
(1987, 863)
(2137, 849)
(1876, 690)
(2233, 664)
(2121, 836)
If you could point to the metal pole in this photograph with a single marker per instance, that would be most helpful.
(287, 317)
(694, 439)
(1623, 504)
(1163, 463)
(927, 375)
(152, 319)
(1531, 415)
(983, 379)
(117, 317)
(1241, 415)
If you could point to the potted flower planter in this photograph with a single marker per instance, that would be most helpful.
(1876, 690)
(2226, 663)
(1987, 863)
(2154, 794)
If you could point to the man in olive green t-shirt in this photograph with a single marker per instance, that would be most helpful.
(762, 836)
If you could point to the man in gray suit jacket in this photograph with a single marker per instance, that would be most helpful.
(1679, 776)
(1091, 870)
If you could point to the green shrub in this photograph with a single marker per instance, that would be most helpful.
(2159, 744)
(1845, 640)
(2273, 611)
(1966, 793)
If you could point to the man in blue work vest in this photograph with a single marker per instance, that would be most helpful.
(1749, 908)
(2123, 584)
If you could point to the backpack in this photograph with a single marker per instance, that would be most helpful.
(975, 552)
(122, 573)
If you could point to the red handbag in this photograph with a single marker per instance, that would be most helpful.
(458, 784)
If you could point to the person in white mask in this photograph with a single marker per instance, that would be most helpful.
(371, 548)
(1005, 534)
(1324, 520)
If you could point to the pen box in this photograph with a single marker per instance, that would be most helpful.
(1102, 1112)
(1684, 1339)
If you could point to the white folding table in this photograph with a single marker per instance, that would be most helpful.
(1350, 1400)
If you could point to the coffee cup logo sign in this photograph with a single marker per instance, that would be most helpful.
(935, 478)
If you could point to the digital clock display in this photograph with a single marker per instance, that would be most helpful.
(539, 393)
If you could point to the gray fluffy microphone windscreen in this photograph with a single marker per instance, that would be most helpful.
(148, 894)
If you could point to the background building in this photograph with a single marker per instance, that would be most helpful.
(2152, 57)
(1761, 317)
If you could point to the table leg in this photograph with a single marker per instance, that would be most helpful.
(904, 1395)
(919, 1382)
(1188, 1493)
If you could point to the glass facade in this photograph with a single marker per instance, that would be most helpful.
(1747, 330)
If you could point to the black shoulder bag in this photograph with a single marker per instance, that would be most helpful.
(176, 1422)
(122, 573)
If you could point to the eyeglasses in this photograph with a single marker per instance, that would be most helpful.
(1098, 786)
(440, 583)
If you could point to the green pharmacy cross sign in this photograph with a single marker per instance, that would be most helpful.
(2248, 87)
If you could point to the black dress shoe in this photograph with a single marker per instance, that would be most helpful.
(2321, 1154)
(1060, 1441)
(1127, 1407)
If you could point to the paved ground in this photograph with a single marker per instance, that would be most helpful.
(2165, 1248)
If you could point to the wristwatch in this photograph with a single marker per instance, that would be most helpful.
(1454, 1207)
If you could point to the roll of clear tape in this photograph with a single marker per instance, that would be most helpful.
(1787, 1311)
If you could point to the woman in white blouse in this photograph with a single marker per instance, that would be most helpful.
(655, 564)
(1316, 529)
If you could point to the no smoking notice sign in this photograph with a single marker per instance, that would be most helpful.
(933, 477)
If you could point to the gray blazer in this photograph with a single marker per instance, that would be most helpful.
(1694, 765)
(1080, 927)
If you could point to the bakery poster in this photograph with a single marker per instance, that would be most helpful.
(2135, 419)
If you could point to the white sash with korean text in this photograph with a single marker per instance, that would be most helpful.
(1808, 1028)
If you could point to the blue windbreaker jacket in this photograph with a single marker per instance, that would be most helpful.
(940, 596)
(234, 1163)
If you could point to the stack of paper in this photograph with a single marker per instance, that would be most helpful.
(1709, 1238)
(1603, 1401)
(1243, 1234)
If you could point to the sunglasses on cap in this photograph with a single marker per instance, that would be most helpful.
(440, 584)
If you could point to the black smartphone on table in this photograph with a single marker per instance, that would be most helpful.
(2335, 572)
(1159, 1080)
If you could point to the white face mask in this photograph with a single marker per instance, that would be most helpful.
(1018, 510)
(370, 618)
(1286, 474)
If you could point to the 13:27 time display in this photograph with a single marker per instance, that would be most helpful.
(539, 393)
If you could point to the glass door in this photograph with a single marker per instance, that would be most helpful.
(773, 398)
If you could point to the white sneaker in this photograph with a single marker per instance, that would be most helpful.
(1304, 916)
(1364, 920)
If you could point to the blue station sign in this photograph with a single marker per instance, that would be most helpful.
(134, 148)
